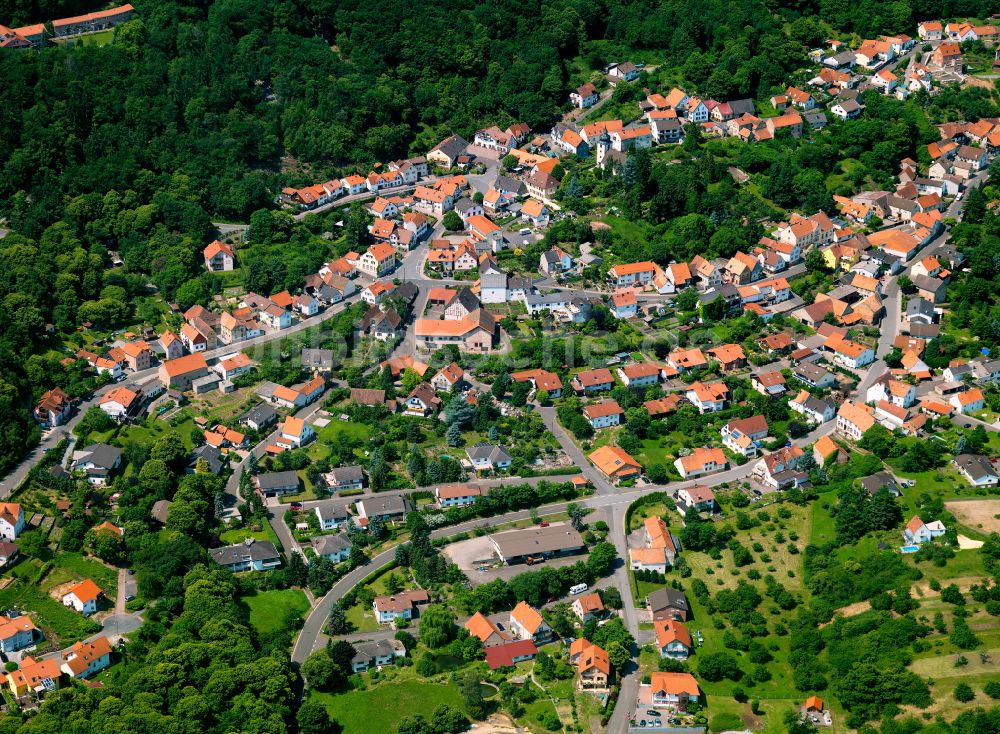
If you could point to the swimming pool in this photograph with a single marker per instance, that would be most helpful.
(910, 548)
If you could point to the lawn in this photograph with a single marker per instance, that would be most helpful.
(268, 609)
(74, 567)
(238, 535)
(61, 625)
(333, 433)
(381, 708)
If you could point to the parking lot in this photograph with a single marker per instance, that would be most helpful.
(477, 558)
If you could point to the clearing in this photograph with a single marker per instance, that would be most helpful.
(270, 610)
(983, 515)
(381, 708)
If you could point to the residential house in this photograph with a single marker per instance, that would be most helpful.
(668, 603)
(697, 498)
(98, 461)
(526, 623)
(592, 666)
(701, 461)
(403, 605)
(17, 633)
(477, 332)
(624, 304)
(632, 274)
(615, 463)
(778, 469)
(673, 640)
(422, 400)
(744, 436)
(592, 381)
(83, 597)
(588, 606)
(376, 654)
(275, 484)
(385, 507)
(584, 96)
(219, 257)
(295, 433)
(670, 690)
(854, 419)
(509, 654)
(331, 513)
(977, 469)
(53, 408)
(768, 383)
(181, 372)
(639, 374)
(457, 495)
(708, 397)
(488, 457)
(84, 659)
(917, 531)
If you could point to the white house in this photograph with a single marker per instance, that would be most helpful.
(11, 520)
(917, 531)
(83, 597)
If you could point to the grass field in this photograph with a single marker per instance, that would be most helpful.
(982, 515)
(268, 609)
(74, 567)
(238, 535)
(381, 708)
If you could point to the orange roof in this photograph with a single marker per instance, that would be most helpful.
(109, 527)
(968, 397)
(633, 268)
(134, 349)
(286, 393)
(214, 248)
(659, 535)
(623, 298)
(825, 447)
(702, 456)
(614, 461)
(591, 602)
(293, 426)
(602, 409)
(121, 395)
(593, 656)
(670, 630)
(532, 208)
(10, 627)
(481, 224)
(527, 616)
(728, 353)
(815, 702)
(85, 591)
(675, 683)
(382, 251)
(859, 415)
(184, 365)
(479, 626)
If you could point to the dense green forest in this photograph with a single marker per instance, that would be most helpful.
(202, 110)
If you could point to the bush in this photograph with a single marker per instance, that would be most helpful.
(964, 693)
(992, 689)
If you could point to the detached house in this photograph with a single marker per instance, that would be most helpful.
(977, 469)
(701, 461)
(673, 639)
(527, 624)
(83, 597)
(584, 96)
(669, 690)
(603, 414)
(743, 436)
(219, 257)
(917, 531)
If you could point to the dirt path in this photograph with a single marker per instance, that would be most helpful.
(923, 590)
(120, 600)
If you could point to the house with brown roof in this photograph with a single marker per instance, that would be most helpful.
(591, 381)
(588, 607)
(403, 605)
(53, 408)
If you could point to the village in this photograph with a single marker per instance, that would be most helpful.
(737, 388)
